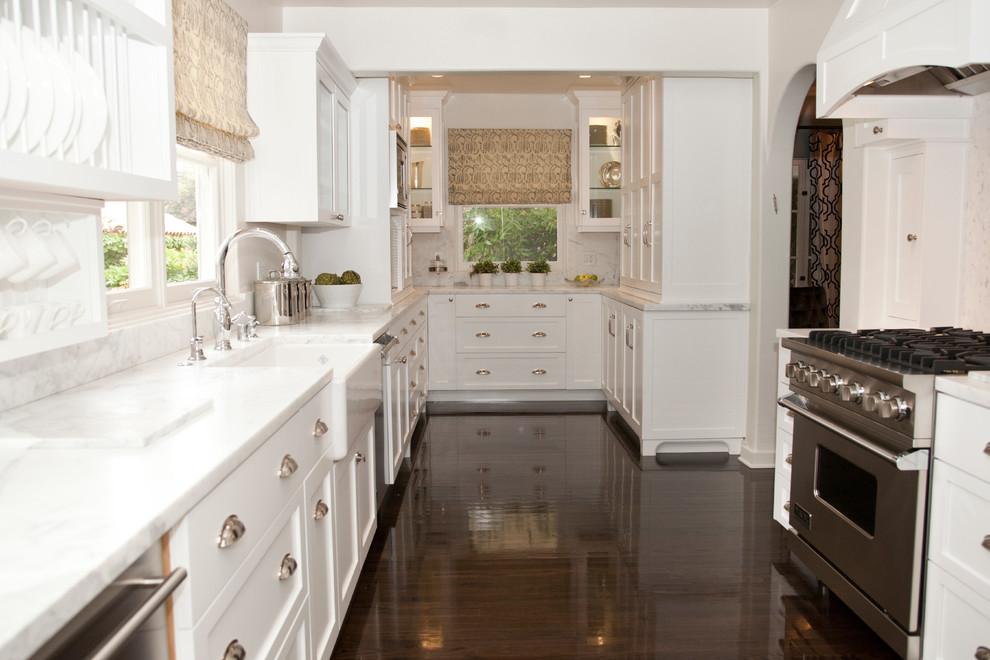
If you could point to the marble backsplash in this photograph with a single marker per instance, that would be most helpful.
(976, 231)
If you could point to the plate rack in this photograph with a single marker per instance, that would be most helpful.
(88, 107)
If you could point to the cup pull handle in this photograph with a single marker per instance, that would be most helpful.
(288, 568)
(320, 428)
(288, 467)
(539, 334)
(539, 372)
(482, 306)
(482, 335)
(321, 510)
(483, 372)
(231, 532)
(234, 651)
(539, 305)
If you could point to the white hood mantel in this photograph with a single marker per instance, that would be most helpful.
(871, 39)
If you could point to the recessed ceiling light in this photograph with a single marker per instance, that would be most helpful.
(437, 75)
(584, 75)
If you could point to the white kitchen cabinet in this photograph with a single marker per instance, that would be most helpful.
(599, 164)
(441, 337)
(784, 443)
(408, 385)
(355, 519)
(319, 518)
(122, 145)
(301, 171)
(398, 105)
(631, 398)
(957, 595)
(611, 349)
(427, 160)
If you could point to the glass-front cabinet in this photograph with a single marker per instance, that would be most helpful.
(427, 149)
(599, 160)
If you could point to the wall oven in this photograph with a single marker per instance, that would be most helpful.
(863, 406)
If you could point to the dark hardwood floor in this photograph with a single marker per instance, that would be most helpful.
(545, 536)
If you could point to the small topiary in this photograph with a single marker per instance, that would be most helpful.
(327, 278)
(511, 266)
(483, 266)
(538, 266)
(350, 277)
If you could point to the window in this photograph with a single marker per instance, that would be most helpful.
(156, 253)
(502, 232)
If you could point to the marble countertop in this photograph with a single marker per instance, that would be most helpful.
(614, 292)
(90, 478)
(974, 388)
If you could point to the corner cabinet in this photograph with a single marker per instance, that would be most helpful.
(599, 160)
(299, 95)
(427, 159)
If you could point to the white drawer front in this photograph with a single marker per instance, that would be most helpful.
(785, 420)
(962, 435)
(511, 335)
(254, 493)
(782, 499)
(260, 612)
(536, 371)
(510, 304)
(960, 526)
(957, 621)
(782, 456)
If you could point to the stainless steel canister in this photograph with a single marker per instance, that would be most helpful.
(274, 303)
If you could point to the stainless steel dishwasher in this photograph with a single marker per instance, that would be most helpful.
(126, 620)
(382, 454)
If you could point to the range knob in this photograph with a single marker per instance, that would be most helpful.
(830, 384)
(894, 408)
(816, 376)
(851, 392)
(872, 401)
(790, 369)
(802, 373)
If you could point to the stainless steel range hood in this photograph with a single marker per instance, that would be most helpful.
(903, 50)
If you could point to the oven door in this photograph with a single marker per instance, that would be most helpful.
(862, 508)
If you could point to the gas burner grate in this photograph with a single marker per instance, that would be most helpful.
(942, 350)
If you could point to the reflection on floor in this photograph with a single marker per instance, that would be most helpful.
(543, 537)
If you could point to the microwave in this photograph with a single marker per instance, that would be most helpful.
(398, 171)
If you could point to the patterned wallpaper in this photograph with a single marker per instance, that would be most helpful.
(976, 237)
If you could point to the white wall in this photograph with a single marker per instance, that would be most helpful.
(796, 30)
(261, 15)
(376, 40)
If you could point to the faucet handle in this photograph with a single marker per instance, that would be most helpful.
(245, 326)
(252, 323)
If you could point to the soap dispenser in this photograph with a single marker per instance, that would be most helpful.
(437, 265)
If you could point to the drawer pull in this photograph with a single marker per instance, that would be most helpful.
(413, 384)
(422, 341)
(790, 413)
(422, 367)
(403, 359)
(413, 414)
(982, 653)
(422, 395)
(986, 542)
(234, 651)
(539, 334)
(288, 568)
(483, 372)
(539, 372)
(482, 306)
(231, 532)
(321, 510)
(787, 506)
(320, 428)
(422, 313)
(789, 459)
(288, 467)
(986, 450)
(483, 335)
(611, 324)
(405, 331)
(360, 458)
(412, 353)
(539, 305)
(412, 322)
(483, 433)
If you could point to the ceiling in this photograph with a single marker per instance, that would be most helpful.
(689, 4)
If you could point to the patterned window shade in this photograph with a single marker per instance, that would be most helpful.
(508, 166)
(211, 79)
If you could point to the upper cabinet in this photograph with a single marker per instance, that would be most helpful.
(299, 95)
(599, 160)
(427, 159)
(87, 106)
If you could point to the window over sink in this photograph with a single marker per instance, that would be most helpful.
(498, 233)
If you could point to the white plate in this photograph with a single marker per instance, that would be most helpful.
(65, 98)
(93, 128)
(17, 93)
(41, 92)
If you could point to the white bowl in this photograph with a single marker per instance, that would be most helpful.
(337, 296)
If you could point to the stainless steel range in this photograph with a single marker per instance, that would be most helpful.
(863, 406)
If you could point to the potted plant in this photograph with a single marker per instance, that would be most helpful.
(485, 269)
(511, 268)
(538, 270)
(337, 291)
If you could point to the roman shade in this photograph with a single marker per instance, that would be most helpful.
(508, 166)
(210, 41)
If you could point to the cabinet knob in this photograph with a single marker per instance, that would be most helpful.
(412, 322)
(422, 340)
(321, 510)
(450, 300)
(403, 359)
(539, 305)
(339, 217)
(482, 335)
(412, 353)
(360, 458)
(422, 367)
(231, 532)
(413, 384)
(982, 653)
(483, 372)
(789, 459)
(787, 506)
(911, 238)
(878, 130)
(288, 568)
(539, 372)
(539, 334)
(570, 298)
(986, 542)
(288, 467)
(986, 450)
(422, 313)
(405, 331)
(234, 651)
(320, 428)
(482, 306)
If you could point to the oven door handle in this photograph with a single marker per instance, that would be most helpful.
(912, 461)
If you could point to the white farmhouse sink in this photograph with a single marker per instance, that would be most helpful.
(278, 354)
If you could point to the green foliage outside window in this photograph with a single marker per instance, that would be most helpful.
(115, 259)
(181, 260)
(509, 232)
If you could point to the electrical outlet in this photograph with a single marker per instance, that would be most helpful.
(587, 258)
